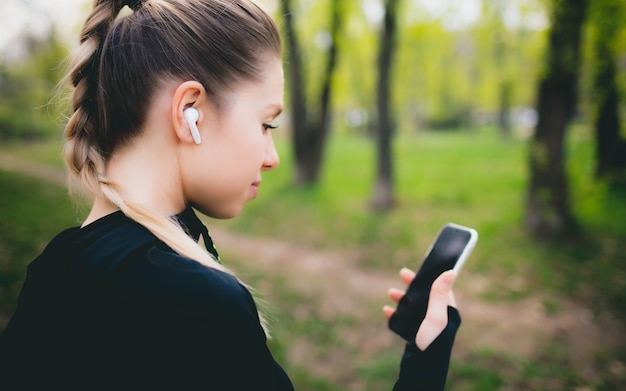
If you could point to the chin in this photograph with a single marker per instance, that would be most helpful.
(225, 216)
(221, 214)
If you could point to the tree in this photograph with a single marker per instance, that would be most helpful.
(548, 211)
(495, 12)
(610, 145)
(310, 126)
(383, 197)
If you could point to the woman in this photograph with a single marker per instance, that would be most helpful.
(173, 108)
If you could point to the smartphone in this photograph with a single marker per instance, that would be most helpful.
(449, 250)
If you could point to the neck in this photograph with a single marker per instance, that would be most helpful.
(146, 173)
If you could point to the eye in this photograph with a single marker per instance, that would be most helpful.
(269, 126)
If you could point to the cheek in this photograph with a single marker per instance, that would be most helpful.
(250, 150)
(234, 162)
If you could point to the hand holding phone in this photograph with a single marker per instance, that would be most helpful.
(450, 249)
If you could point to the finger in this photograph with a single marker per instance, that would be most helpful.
(395, 294)
(388, 311)
(437, 313)
(407, 275)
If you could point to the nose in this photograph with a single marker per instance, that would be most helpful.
(272, 160)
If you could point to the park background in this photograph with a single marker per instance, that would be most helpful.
(542, 304)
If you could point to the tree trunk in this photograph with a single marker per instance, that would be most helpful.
(310, 128)
(610, 146)
(548, 213)
(505, 87)
(504, 107)
(383, 197)
(297, 91)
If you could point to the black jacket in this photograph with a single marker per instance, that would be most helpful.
(110, 306)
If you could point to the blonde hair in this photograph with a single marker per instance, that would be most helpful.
(122, 61)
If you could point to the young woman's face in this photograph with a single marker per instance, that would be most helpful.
(225, 170)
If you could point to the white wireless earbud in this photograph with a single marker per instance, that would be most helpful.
(191, 115)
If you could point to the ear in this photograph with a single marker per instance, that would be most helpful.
(187, 94)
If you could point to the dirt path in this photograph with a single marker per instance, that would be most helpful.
(521, 327)
(33, 169)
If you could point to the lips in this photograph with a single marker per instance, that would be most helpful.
(254, 189)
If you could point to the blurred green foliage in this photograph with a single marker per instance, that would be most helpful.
(444, 76)
(31, 106)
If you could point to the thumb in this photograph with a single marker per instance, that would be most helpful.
(437, 313)
(443, 284)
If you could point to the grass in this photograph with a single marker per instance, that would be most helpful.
(474, 179)
(477, 181)
(50, 152)
(471, 179)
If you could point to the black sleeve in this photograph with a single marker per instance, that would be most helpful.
(428, 369)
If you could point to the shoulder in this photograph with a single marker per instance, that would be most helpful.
(173, 277)
(187, 299)
(120, 264)
(111, 237)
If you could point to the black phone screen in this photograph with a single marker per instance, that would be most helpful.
(443, 256)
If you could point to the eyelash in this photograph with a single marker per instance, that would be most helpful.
(269, 126)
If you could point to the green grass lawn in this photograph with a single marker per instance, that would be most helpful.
(474, 179)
